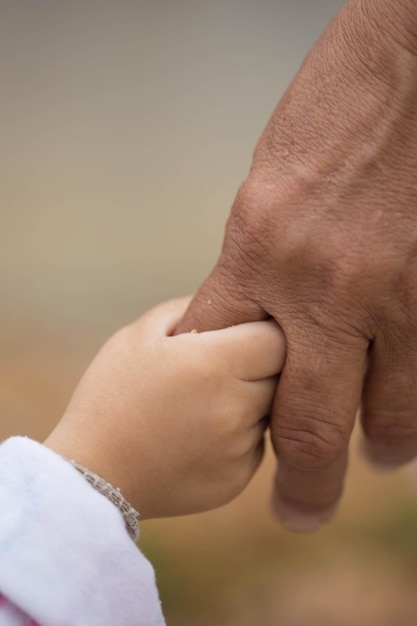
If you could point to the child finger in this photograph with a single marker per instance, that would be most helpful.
(256, 456)
(165, 317)
(259, 429)
(259, 398)
(252, 351)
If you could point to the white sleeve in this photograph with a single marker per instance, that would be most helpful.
(65, 556)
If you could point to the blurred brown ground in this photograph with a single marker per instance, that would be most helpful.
(126, 130)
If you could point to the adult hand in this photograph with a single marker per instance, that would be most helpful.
(323, 238)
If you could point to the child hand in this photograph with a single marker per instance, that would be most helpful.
(177, 422)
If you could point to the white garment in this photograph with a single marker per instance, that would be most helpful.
(65, 556)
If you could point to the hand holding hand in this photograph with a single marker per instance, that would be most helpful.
(176, 422)
(323, 238)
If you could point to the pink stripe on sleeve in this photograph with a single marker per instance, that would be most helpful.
(17, 617)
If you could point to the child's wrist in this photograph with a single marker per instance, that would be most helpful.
(91, 458)
(114, 495)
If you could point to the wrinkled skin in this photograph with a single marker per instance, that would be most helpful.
(323, 237)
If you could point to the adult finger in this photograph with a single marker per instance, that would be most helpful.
(219, 303)
(313, 417)
(389, 409)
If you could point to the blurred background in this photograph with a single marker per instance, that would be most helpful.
(126, 129)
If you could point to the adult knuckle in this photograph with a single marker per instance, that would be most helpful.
(275, 224)
(250, 225)
(312, 445)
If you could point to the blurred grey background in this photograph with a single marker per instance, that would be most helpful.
(126, 129)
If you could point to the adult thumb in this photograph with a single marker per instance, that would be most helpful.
(219, 302)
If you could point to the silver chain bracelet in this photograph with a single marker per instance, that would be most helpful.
(130, 515)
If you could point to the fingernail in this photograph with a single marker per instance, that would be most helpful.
(297, 521)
